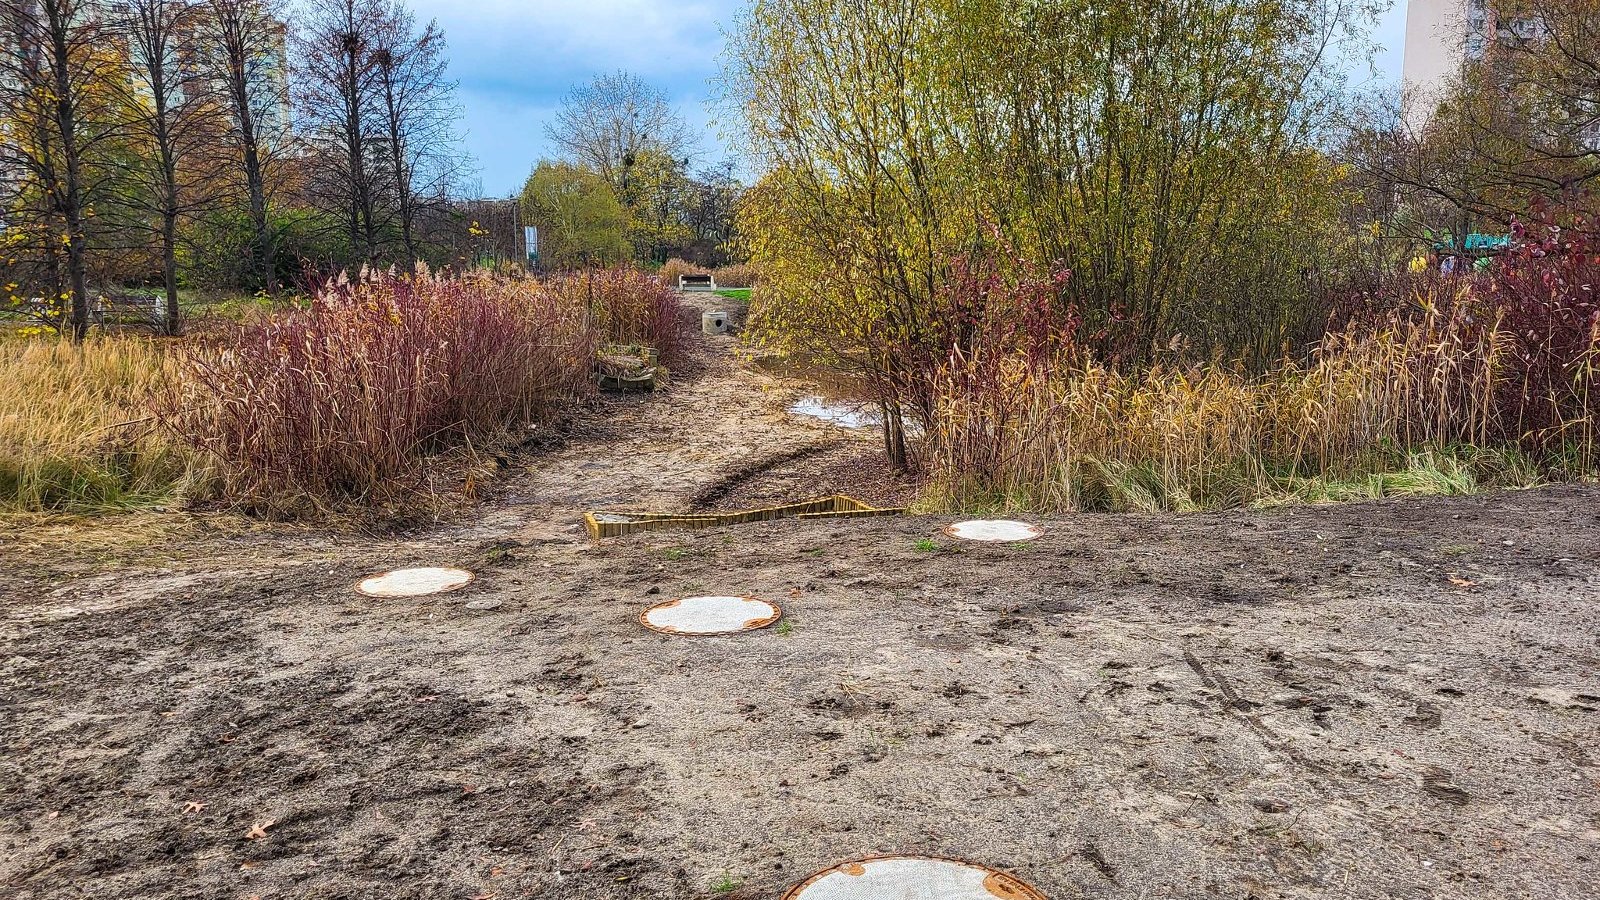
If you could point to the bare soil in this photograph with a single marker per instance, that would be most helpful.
(1374, 700)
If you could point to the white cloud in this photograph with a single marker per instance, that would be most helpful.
(653, 39)
(515, 60)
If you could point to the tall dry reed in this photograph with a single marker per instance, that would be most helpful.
(1508, 360)
(629, 306)
(343, 400)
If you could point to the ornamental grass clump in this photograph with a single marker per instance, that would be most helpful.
(674, 267)
(630, 307)
(75, 429)
(345, 399)
(738, 275)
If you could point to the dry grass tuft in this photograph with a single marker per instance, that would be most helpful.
(739, 275)
(76, 431)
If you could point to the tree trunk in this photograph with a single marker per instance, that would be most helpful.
(169, 268)
(172, 323)
(256, 183)
(894, 435)
(72, 187)
(402, 174)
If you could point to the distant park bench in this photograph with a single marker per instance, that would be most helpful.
(688, 283)
(140, 310)
(126, 309)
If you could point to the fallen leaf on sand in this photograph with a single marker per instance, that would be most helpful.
(258, 831)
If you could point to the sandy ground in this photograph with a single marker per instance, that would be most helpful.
(1378, 700)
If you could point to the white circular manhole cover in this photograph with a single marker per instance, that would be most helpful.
(414, 582)
(993, 530)
(911, 877)
(710, 615)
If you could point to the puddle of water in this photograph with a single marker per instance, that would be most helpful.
(845, 415)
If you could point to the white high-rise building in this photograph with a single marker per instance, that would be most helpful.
(1440, 36)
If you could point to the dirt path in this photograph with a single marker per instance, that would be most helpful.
(1375, 700)
(718, 438)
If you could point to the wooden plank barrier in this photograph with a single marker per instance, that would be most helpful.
(611, 523)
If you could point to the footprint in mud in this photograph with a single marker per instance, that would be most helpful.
(566, 671)
(847, 704)
(1438, 783)
(1564, 699)
(955, 690)
(1092, 855)
(1426, 716)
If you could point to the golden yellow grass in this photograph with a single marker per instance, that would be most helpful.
(1406, 410)
(75, 426)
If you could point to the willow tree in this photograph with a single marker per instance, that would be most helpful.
(1165, 150)
(581, 220)
(862, 196)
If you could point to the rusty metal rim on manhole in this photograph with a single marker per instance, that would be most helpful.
(749, 625)
(1002, 885)
(1031, 531)
(360, 586)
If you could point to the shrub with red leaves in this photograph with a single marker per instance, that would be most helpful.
(994, 316)
(1545, 296)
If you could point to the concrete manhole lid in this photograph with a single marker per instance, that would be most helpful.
(414, 582)
(912, 877)
(710, 615)
(994, 530)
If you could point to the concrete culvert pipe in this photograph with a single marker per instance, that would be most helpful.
(419, 582)
(710, 615)
(919, 877)
(1003, 530)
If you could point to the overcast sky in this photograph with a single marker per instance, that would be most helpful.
(516, 58)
